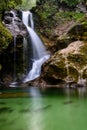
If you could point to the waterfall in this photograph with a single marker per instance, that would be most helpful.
(25, 55)
(14, 69)
(13, 84)
(28, 19)
(39, 53)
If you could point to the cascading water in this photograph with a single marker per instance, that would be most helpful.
(25, 55)
(40, 54)
(14, 73)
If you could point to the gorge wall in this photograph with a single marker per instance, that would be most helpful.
(64, 31)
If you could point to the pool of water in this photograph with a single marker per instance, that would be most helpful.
(50, 109)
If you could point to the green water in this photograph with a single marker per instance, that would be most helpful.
(43, 110)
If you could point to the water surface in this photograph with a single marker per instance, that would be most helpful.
(35, 109)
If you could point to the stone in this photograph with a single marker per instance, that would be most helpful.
(8, 20)
(69, 64)
(14, 24)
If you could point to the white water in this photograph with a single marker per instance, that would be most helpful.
(40, 54)
(28, 19)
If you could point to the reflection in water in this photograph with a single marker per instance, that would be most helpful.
(82, 91)
(35, 92)
(37, 115)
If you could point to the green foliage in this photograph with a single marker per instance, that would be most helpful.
(70, 3)
(52, 13)
(49, 9)
(11, 4)
(8, 4)
(5, 37)
(27, 4)
(69, 15)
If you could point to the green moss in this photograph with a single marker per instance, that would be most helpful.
(5, 37)
(77, 59)
(8, 5)
(83, 21)
(79, 31)
(85, 34)
(84, 74)
(83, 50)
(73, 73)
(68, 15)
(57, 72)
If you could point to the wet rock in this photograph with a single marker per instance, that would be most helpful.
(7, 20)
(68, 102)
(36, 110)
(14, 24)
(8, 13)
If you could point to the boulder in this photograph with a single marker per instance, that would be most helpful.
(69, 64)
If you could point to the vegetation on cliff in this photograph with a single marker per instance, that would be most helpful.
(57, 17)
(7, 5)
(5, 35)
(27, 4)
(64, 23)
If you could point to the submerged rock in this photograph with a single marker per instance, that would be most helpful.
(4, 110)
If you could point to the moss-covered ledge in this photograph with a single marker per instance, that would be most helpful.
(5, 37)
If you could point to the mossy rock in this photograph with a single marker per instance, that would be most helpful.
(54, 69)
(77, 59)
(79, 31)
(72, 74)
(83, 49)
(5, 37)
(57, 72)
(54, 74)
(67, 64)
(85, 74)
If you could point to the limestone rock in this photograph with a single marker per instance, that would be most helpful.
(14, 24)
(69, 64)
